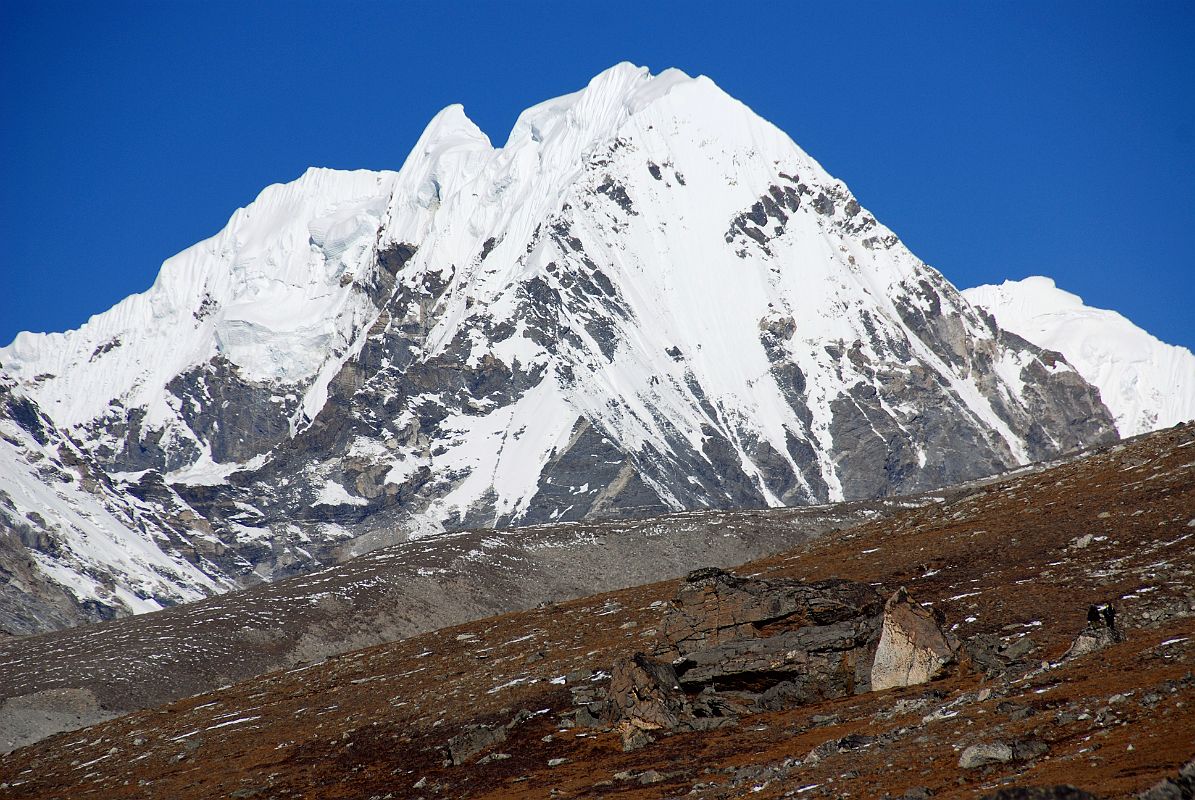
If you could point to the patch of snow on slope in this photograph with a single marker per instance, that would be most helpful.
(333, 494)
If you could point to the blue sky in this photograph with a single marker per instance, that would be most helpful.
(997, 139)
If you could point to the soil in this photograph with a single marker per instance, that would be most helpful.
(1015, 564)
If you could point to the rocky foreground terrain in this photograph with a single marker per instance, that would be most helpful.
(794, 675)
(72, 678)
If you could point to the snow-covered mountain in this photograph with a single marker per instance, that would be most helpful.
(76, 546)
(649, 299)
(1146, 383)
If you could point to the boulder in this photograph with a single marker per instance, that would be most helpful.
(993, 656)
(913, 647)
(646, 693)
(980, 755)
(712, 606)
(1092, 638)
(473, 740)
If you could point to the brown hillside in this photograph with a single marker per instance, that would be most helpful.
(1015, 564)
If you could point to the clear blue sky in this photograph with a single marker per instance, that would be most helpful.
(997, 139)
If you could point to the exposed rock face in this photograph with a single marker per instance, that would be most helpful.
(1147, 385)
(645, 696)
(713, 607)
(126, 548)
(742, 645)
(913, 647)
(811, 640)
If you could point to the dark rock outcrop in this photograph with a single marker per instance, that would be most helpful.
(472, 741)
(1060, 792)
(740, 646)
(1180, 787)
(736, 633)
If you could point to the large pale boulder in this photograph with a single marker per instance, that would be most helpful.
(645, 696)
(913, 646)
(646, 693)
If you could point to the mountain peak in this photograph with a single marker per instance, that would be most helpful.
(1146, 383)
(598, 110)
(451, 127)
(650, 299)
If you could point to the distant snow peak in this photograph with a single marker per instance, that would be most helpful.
(1146, 383)
(648, 300)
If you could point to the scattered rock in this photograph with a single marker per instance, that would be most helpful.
(1019, 649)
(493, 757)
(980, 755)
(1015, 711)
(473, 740)
(844, 745)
